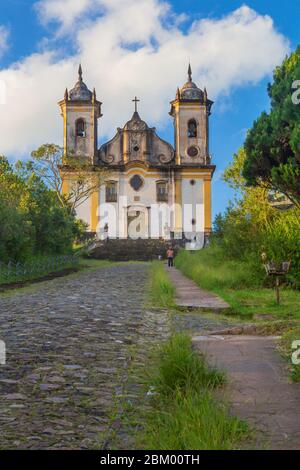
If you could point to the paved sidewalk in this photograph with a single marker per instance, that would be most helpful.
(189, 295)
(258, 390)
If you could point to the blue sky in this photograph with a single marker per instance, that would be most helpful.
(237, 104)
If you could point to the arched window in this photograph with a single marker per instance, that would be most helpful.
(162, 191)
(111, 192)
(192, 128)
(80, 128)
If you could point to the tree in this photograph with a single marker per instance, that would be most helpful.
(251, 225)
(15, 231)
(49, 163)
(273, 144)
(53, 226)
(33, 221)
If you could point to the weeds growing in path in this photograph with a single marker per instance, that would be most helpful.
(162, 290)
(184, 414)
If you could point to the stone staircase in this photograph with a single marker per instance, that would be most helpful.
(132, 250)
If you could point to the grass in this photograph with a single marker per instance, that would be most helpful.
(214, 271)
(180, 368)
(36, 268)
(251, 302)
(193, 422)
(237, 283)
(162, 290)
(94, 263)
(184, 414)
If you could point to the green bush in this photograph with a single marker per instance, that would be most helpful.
(251, 226)
(282, 242)
(16, 233)
(32, 220)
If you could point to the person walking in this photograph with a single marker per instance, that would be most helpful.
(170, 256)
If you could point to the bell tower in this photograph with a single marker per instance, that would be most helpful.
(191, 110)
(81, 111)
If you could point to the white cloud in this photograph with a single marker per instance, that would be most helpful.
(65, 12)
(131, 48)
(4, 34)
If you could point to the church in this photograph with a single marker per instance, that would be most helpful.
(152, 189)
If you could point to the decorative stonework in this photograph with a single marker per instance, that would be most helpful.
(137, 125)
(136, 182)
(191, 94)
(193, 151)
(136, 142)
(163, 158)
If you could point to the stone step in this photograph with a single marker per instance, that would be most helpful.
(132, 250)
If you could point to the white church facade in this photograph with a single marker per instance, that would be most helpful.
(152, 188)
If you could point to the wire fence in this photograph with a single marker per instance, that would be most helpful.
(18, 272)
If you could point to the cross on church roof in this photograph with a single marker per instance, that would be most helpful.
(135, 103)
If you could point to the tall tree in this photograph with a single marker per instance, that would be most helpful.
(33, 222)
(273, 144)
(251, 225)
(49, 163)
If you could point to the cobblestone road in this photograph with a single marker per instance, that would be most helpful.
(69, 344)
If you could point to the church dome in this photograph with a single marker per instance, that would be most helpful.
(80, 92)
(190, 91)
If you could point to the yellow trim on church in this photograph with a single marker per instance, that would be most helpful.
(94, 210)
(65, 186)
(207, 205)
(178, 204)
